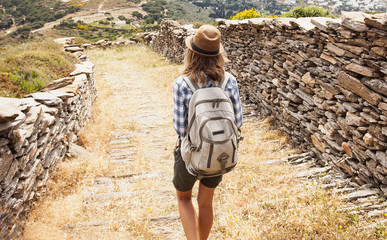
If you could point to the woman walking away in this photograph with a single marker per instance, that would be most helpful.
(204, 65)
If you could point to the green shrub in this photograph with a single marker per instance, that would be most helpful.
(28, 81)
(122, 17)
(310, 11)
(137, 14)
(247, 13)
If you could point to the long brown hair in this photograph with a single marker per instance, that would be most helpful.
(198, 67)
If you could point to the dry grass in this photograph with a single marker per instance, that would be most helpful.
(255, 201)
(260, 201)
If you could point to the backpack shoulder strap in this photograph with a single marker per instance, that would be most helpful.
(191, 84)
(223, 83)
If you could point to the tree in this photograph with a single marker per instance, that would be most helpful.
(122, 18)
(137, 15)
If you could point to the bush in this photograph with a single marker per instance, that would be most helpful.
(149, 20)
(103, 22)
(28, 81)
(137, 14)
(310, 11)
(251, 13)
(122, 18)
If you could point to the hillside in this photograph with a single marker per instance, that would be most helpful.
(99, 19)
(33, 14)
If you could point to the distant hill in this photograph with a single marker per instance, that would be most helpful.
(32, 14)
(336, 6)
(111, 19)
(225, 8)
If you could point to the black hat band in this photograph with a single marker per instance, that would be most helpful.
(195, 48)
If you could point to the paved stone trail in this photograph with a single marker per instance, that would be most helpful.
(140, 155)
(152, 123)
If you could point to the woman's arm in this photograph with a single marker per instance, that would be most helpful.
(179, 108)
(233, 92)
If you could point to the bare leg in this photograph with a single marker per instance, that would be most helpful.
(187, 214)
(205, 197)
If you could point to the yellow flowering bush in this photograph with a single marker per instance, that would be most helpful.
(247, 13)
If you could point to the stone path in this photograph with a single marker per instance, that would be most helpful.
(140, 154)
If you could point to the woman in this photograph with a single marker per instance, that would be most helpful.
(204, 64)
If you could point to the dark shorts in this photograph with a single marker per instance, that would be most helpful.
(184, 181)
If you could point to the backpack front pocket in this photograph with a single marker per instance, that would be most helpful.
(215, 157)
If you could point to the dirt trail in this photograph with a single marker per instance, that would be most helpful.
(142, 137)
(101, 5)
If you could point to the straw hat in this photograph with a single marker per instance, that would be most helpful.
(206, 41)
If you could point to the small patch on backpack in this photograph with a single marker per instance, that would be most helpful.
(217, 132)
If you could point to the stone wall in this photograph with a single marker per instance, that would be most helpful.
(35, 133)
(323, 79)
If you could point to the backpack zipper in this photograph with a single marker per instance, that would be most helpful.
(210, 155)
(233, 152)
(218, 101)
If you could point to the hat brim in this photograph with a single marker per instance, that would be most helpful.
(189, 45)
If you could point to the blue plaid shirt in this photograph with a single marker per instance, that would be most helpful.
(182, 94)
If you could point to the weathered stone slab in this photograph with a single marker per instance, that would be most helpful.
(354, 25)
(354, 85)
(377, 85)
(319, 144)
(46, 98)
(74, 49)
(61, 94)
(307, 78)
(359, 194)
(354, 120)
(377, 21)
(8, 126)
(329, 58)
(59, 83)
(362, 70)
(313, 172)
(350, 48)
(83, 68)
(6, 159)
(8, 113)
(336, 50)
(78, 151)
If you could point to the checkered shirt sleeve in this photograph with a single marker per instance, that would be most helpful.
(182, 94)
(233, 92)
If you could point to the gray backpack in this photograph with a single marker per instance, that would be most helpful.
(210, 146)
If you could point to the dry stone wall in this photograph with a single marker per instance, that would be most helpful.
(323, 79)
(35, 133)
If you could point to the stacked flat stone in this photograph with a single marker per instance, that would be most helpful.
(323, 79)
(77, 49)
(35, 133)
(169, 41)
